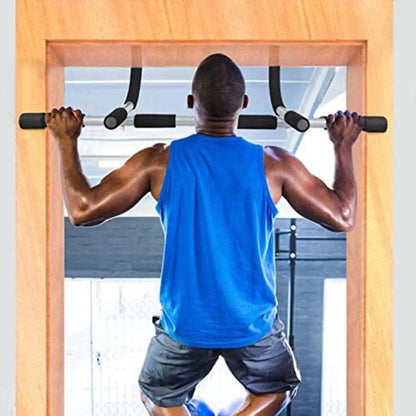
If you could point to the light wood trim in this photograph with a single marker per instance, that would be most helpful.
(355, 247)
(55, 344)
(157, 32)
(249, 53)
(31, 242)
(378, 251)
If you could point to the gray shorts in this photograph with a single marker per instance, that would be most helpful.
(171, 370)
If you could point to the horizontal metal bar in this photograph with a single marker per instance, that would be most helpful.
(95, 120)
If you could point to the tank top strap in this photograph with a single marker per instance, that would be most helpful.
(166, 185)
(263, 180)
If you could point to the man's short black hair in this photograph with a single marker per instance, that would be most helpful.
(219, 86)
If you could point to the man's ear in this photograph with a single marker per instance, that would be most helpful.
(245, 101)
(190, 101)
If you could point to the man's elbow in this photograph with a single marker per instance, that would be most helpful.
(75, 220)
(83, 220)
(346, 221)
(79, 217)
(347, 226)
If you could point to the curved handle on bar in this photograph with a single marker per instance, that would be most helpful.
(119, 114)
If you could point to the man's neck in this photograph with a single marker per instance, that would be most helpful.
(215, 127)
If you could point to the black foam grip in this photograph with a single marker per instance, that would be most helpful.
(32, 121)
(257, 122)
(375, 124)
(154, 120)
(115, 118)
(296, 121)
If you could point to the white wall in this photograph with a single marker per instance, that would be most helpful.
(7, 204)
(405, 230)
(405, 203)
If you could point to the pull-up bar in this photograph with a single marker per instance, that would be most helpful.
(252, 122)
(284, 118)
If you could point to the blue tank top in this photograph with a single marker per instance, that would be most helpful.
(218, 272)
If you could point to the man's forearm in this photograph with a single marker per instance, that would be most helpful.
(344, 184)
(76, 188)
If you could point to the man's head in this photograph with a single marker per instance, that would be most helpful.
(218, 88)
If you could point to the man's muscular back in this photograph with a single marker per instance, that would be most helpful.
(285, 176)
(272, 167)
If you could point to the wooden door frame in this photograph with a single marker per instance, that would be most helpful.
(302, 33)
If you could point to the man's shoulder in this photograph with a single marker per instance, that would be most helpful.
(158, 148)
(159, 153)
(276, 155)
(277, 152)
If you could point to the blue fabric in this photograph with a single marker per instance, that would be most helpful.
(218, 272)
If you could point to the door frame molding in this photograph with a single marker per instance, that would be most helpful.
(156, 33)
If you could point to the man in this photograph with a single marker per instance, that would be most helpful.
(216, 197)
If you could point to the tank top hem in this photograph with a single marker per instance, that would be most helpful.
(242, 342)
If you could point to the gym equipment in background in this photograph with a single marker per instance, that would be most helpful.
(291, 257)
(285, 118)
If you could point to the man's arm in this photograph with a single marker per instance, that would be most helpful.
(335, 208)
(116, 193)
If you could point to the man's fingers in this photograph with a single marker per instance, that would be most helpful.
(341, 118)
(63, 119)
(348, 117)
(78, 114)
(330, 119)
(68, 113)
(51, 115)
(339, 115)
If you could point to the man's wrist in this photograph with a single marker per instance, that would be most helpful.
(65, 141)
(343, 145)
